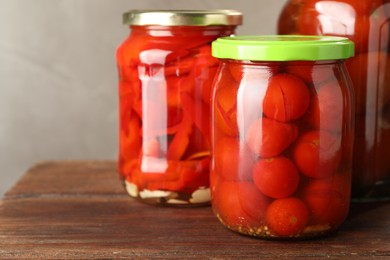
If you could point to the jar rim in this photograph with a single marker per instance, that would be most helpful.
(283, 48)
(183, 17)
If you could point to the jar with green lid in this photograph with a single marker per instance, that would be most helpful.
(165, 74)
(282, 135)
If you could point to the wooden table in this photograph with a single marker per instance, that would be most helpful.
(80, 210)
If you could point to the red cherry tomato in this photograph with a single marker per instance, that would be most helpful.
(328, 200)
(327, 108)
(239, 204)
(317, 154)
(287, 216)
(252, 89)
(269, 138)
(276, 177)
(253, 202)
(287, 98)
(225, 104)
(233, 160)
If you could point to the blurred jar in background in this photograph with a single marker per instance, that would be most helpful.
(366, 22)
(165, 74)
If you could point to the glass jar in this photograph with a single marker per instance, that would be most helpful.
(282, 135)
(366, 22)
(165, 74)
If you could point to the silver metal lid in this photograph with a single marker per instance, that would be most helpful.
(182, 17)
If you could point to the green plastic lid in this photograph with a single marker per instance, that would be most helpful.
(283, 48)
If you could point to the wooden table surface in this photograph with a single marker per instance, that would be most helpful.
(79, 209)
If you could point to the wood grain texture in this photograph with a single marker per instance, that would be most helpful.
(73, 210)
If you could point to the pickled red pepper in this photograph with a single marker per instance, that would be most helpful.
(167, 83)
(165, 76)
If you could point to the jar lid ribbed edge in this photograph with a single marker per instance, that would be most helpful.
(182, 17)
(283, 48)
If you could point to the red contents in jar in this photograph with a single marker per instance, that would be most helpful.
(326, 109)
(276, 177)
(269, 138)
(228, 153)
(363, 68)
(287, 98)
(164, 89)
(351, 18)
(240, 204)
(226, 105)
(366, 23)
(287, 217)
(327, 200)
(292, 156)
(317, 154)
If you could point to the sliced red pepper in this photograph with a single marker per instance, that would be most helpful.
(192, 176)
(172, 173)
(187, 78)
(175, 116)
(175, 85)
(130, 139)
(127, 167)
(205, 58)
(130, 93)
(181, 45)
(199, 112)
(137, 106)
(179, 63)
(198, 145)
(180, 141)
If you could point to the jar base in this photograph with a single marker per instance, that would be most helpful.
(379, 192)
(262, 232)
(198, 198)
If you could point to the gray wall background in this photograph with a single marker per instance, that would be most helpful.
(58, 98)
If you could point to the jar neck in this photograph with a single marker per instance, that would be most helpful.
(278, 63)
(183, 31)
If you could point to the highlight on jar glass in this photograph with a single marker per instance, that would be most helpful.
(366, 23)
(282, 135)
(165, 74)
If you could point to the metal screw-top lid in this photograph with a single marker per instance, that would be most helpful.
(182, 17)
